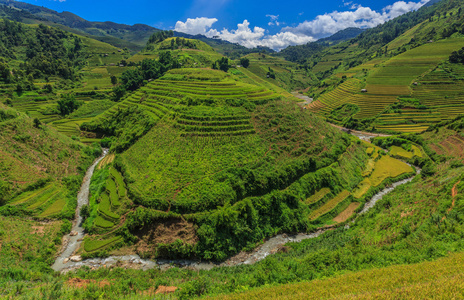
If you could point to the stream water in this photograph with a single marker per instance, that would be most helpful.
(64, 261)
(72, 243)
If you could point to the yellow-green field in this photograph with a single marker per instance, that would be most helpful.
(388, 167)
(441, 279)
(331, 204)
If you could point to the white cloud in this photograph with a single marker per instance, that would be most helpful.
(308, 31)
(195, 26)
(401, 7)
(274, 20)
(251, 38)
(361, 17)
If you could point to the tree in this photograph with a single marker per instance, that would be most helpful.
(221, 64)
(457, 57)
(114, 80)
(245, 62)
(132, 79)
(48, 88)
(67, 104)
(85, 211)
(37, 123)
(118, 92)
(429, 169)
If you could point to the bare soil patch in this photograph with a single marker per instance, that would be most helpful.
(39, 230)
(167, 232)
(347, 213)
(83, 283)
(454, 193)
(166, 289)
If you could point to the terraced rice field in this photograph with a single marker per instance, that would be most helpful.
(398, 151)
(362, 188)
(330, 205)
(317, 196)
(439, 90)
(451, 146)
(347, 92)
(45, 202)
(388, 167)
(171, 98)
(35, 108)
(91, 245)
(347, 213)
(110, 201)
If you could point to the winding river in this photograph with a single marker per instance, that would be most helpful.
(66, 261)
(72, 242)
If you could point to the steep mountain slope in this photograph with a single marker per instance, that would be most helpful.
(406, 86)
(279, 72)
(301, 53)
(38, 159)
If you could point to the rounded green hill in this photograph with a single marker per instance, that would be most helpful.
(234, 159)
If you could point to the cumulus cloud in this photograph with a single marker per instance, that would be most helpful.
(195, 26)
(248, 37)
(308, 31)
(361, 17)
(401, 7)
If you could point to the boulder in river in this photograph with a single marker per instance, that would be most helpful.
(76, 258)
(73, 233)
(65, 260)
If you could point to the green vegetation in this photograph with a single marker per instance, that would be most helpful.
(206, 163)
(400, 80)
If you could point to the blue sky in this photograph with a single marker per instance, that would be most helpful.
(272, 23)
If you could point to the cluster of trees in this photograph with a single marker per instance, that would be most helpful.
(221, 64)
(67, 104)
(160, 36)
(271, 74)
(180, 43)
(149, 69)
(245, 62)
(457, 57)
(48, 51)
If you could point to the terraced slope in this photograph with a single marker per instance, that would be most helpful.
(402, 77)
(40, 168)
(226, 152)
(287, 74)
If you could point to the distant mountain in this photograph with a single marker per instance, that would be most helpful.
(300, 53)
(341, 36)
(133, 37)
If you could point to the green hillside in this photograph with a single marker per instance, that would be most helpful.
(215, 146)
(190, 53)
(217, 160)
(406, 88)
(279, 72)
